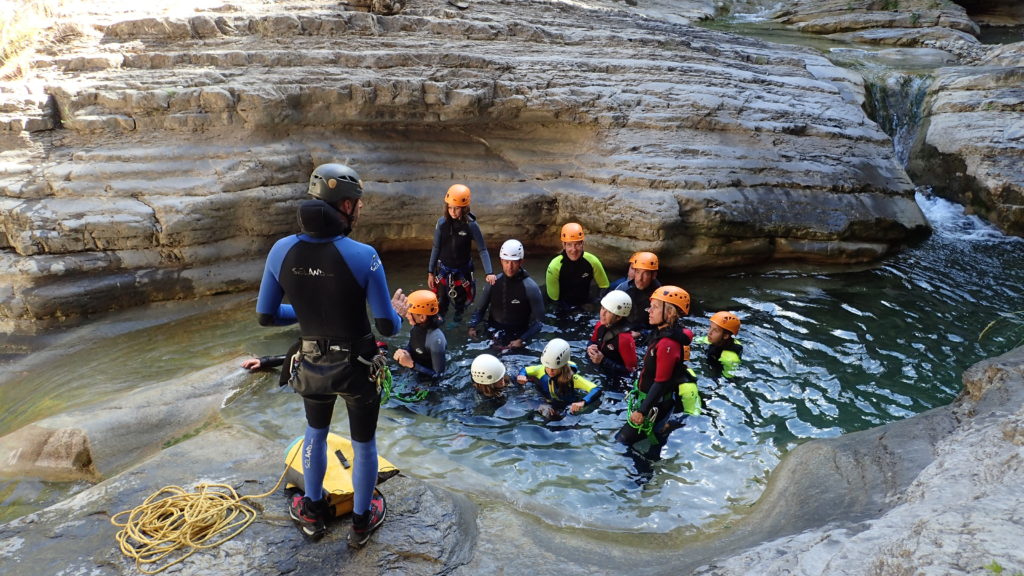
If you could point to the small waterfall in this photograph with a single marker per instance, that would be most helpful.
(895, 101)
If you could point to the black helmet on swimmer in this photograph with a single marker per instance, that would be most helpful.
(333, 183)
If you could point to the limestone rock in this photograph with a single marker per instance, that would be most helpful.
(969, 148)
(931, 494)
(170, 171)
(98, 441)
(832, 16)
(428, 531)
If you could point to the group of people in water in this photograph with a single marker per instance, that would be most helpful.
(639, 330)
(638, 346)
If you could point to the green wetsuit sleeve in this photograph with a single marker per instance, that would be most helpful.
(599, 274)
(536, 371)
(590, 390)
(551, 278)
(730, 361)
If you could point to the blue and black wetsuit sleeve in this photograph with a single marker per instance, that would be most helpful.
(478, 237)
(269, 309)
(368, 270)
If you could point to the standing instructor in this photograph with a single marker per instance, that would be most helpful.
(328, 278)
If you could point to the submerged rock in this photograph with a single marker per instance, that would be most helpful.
(181, 145)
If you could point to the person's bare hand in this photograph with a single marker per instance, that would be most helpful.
(251, 364)
(490, 279)
(400, 303)
(403, 358)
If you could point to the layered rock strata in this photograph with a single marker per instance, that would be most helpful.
(970, 148)
(157, 155)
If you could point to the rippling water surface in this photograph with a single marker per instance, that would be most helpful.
(826, 352)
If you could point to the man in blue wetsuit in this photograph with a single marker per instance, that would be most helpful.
(329, 278)
(514, 306)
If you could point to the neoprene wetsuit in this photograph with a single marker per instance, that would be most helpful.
(329, 278)
(581, 389)
(721, 360)
(619, 348)
(568, 281)
(514, 308)
(427, 347)
(664, 369)
(451, 260)
(637, 319)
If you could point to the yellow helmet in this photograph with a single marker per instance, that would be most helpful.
(727, 321)
(423, 302)
(673, 295)
(644, 261)
(458, 195)
(572, 232)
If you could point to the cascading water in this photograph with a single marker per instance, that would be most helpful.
(895, 102)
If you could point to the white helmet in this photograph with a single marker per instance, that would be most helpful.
(511, 250)
(487, 369)
(617, 302)
(556, 354)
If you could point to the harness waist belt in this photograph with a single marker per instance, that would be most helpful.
(319, 346)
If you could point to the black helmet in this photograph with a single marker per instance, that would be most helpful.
(333, 183)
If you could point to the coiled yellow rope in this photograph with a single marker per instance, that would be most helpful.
(173, 519)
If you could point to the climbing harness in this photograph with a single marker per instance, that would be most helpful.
(634, 399)
(380, 374)
(387, 391)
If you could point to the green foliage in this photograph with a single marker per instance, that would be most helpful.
(996, 568)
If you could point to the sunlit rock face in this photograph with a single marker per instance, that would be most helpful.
(969, 149)
(156, 155)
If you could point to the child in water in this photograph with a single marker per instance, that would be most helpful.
(724, 351)
(489, 377)
(450, 269)
(426, 352)
(612, 346)
(557, 381)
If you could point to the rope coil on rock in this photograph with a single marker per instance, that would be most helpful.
(172, 520)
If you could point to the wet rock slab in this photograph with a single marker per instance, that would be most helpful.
(427, 531)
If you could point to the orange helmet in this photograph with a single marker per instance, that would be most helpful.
(458, 195)
(423, 302)
(727, 321)
(673, 295)
(572, 232)
(644, 261)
